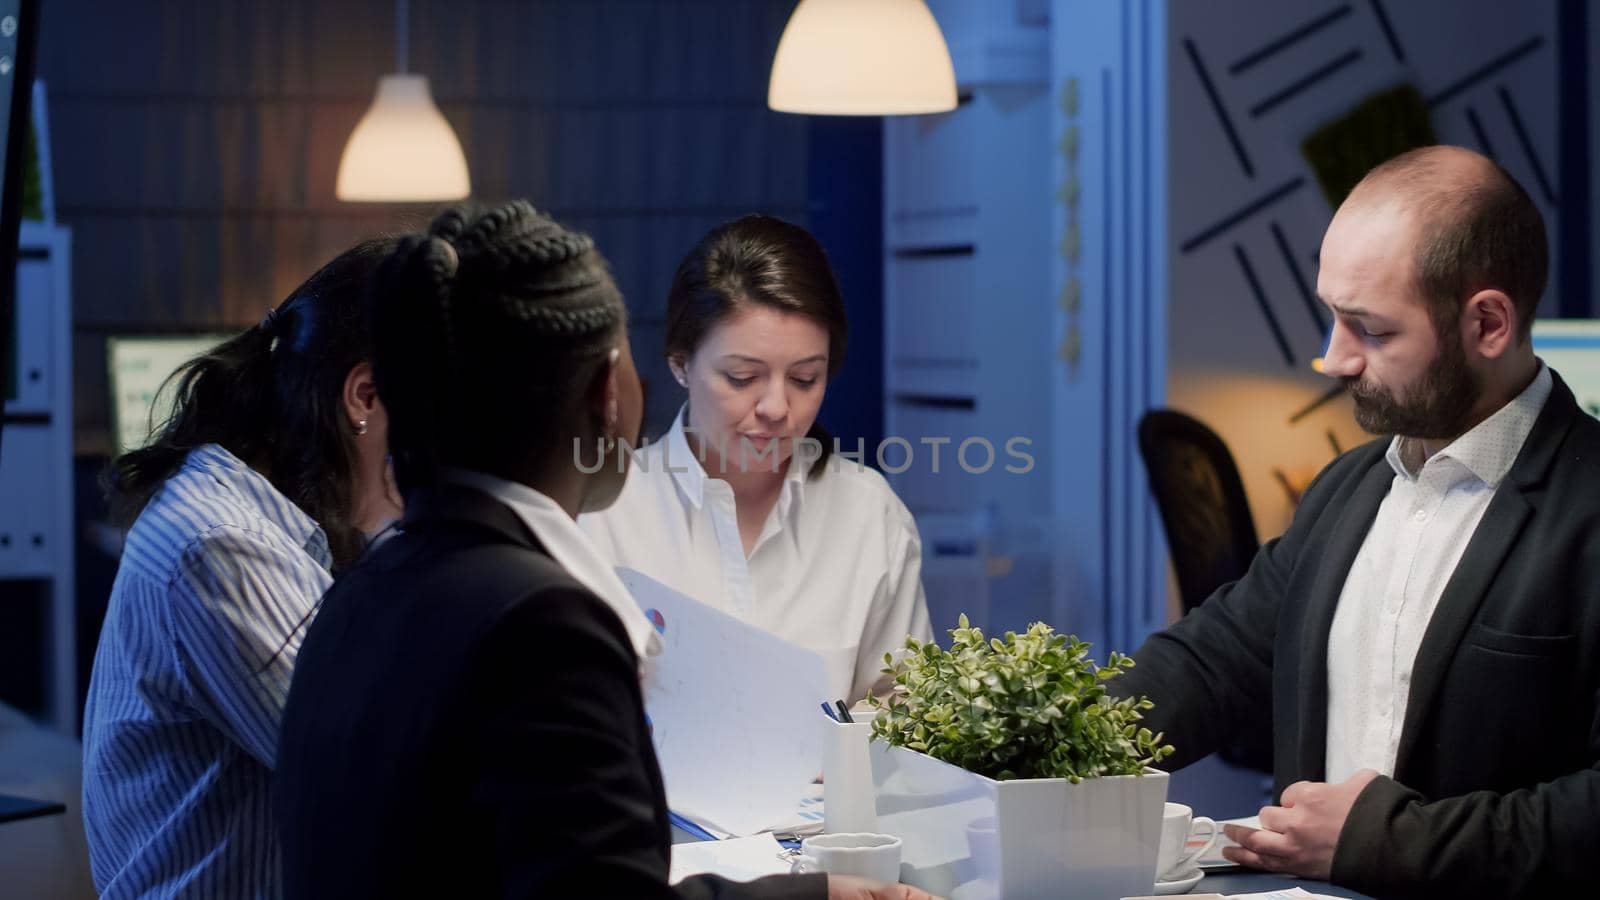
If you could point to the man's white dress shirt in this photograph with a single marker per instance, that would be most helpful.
(1421, 530)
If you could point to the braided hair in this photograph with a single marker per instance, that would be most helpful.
(271, 397)
(485, 327)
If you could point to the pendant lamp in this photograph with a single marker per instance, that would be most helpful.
(403, 150)
(862, 58)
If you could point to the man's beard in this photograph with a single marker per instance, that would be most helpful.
(1437, 406)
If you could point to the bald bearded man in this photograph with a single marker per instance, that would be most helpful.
(1424, 640)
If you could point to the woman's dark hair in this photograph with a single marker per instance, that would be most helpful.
(757, 259)
(486, 328)
(272, 397)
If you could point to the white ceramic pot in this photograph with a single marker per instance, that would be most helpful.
(968, 837)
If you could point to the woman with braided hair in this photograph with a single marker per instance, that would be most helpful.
(269, 476)
(743, 504)
(466, 718)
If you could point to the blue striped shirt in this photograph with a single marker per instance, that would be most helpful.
(181, 727)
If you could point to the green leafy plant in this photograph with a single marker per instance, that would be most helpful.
(1032, 705)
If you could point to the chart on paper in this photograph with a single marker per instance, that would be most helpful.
(733, 712)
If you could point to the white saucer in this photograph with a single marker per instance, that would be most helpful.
(1180, 885)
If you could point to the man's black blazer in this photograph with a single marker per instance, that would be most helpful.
(465, 720)
(1496, 790)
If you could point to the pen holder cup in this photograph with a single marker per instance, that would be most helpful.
(848, 800)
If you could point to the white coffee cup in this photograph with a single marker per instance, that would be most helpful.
(875, 856)
(983, 842)
(1178, 826)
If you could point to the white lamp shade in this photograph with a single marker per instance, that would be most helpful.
(862, 58)
(402, 150)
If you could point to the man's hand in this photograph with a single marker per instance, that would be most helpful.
(849, 887)
(1299, 837)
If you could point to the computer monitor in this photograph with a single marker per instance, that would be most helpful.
(19, 34)
(1572, 347)
(138, 368)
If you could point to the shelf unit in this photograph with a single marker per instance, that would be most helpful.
(36, 502)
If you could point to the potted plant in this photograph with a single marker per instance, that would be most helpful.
(1008, 770)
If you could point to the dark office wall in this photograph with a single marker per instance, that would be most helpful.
(846, 190)
(196, 143)
(1248, 81)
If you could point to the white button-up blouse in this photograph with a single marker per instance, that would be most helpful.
(837, 568)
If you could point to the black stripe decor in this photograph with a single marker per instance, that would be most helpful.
(1388, 31)
(1245, 212)
(1265, 307)
(1307, 296)
(1486, 70)
(1305, 82)
(1274, 46)
(1478, 134)
(1526, 143)
(1216, 106)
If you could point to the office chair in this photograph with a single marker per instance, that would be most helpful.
(1202, 503)
(1207, 521)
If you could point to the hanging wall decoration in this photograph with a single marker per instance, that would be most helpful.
(1070, 299)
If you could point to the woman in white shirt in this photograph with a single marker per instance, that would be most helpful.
(745, 503)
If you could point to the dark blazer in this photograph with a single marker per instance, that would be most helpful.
(1496, 790)
(465, 720)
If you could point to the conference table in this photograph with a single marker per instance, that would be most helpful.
(1236, 881)
(1225, 792)
(1241, 881)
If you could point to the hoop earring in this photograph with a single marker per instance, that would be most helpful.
(361, 428)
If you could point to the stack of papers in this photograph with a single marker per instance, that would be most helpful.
(1288, 894)
(733, 714)
(806, 818)
(738, 859)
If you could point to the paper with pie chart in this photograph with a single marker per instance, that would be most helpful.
(733, 713)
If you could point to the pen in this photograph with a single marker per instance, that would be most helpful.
(828, 709)
(844, 712)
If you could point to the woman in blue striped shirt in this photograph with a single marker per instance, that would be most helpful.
(270, 476)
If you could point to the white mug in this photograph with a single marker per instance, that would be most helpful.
(1178, 825)
(875, 856)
